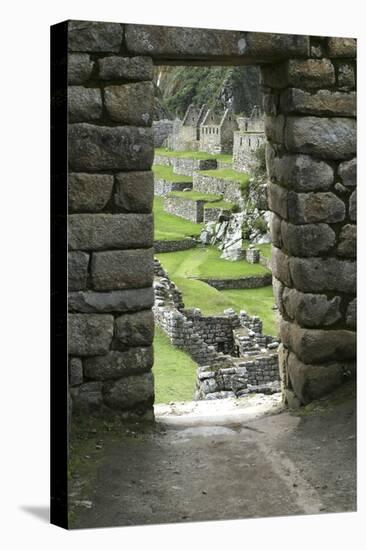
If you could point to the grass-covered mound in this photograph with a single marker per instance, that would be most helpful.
(174, 371)
(205, 262)
(166, 173)
(169, 227)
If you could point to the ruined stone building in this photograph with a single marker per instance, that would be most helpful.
(217, 132)
(186, 133)
(247, 140)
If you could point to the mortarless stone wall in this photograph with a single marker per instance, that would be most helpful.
(311, 129)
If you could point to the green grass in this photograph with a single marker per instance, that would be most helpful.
(226, 205)
(199, 155)
(224, 158)
(266, 249)
(174, 371)
(195, 196)
(206, 263)
(166, 173)
(172, 228)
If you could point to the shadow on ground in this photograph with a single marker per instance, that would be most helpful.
(275, 463)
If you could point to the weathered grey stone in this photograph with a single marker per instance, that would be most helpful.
(311, 310)
(98, 148)
(130, 392)
(75, 371)
(277, 199)
(299, 172)
(108, 231)
(348, 172)
(115, 301)
(189, 43)
(89, 192)
(332, 138)
(322, 102)
(275, 227)
(347, 242)
(278, 288)
(84, 104)
(300, 73)
(134, 191)
(77, 270)
(353, 206)
(280, 266)
(346, 76)
(130, 103)
(318, 346)
(89, 334)
(79, 68)
(92, 36)
(274, 128)
(126, 68)
(307, 240)
(88, 397)
(134, 329)
(342, 47)
(315, 207)
(321, 275)
(122, 269)
(312, 382)
(351, 315)
(117, 364)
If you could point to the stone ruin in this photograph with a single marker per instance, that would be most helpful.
(234, 357)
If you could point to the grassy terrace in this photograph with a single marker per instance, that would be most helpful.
(198, 155)
(266, 249)
(166, 173)
(228, 174)
(206, 263)
(174, 371)
(226, 205)
(172, 228)
(195, 196)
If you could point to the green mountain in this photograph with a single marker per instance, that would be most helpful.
(177, 87)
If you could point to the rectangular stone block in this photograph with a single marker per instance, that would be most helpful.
(117, 364)
(79, 68)
(75, 371)
(280, 266)
(134, 191)
(315, 207)
(311, 310)
(122, 269)
(347, 241)
(347, 172)
(307, 240)
(77, 270)
(352, 209)
(277, 199)
(331, 138)
(299, 172)
(103, 148)
(84, 104)
(323, 274)
(300, 73)
(109, 231)
(342, 47)
(275, 228)
(131, 104)
(191, 43)
(134, 329)
(115, 301)
(89, 334)
(274, 128)
(322, 102)
(126, 68)
(130, 392)
(93, 36)
(318, 346)
(89, 192)
(346, 76)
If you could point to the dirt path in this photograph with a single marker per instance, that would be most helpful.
(250, 461)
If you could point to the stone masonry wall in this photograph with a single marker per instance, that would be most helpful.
(163, 187)
(185, 208)
(311, 131)
(162, 129)
(208, 184)
(110, 277)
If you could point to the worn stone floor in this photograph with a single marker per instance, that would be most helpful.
(250, 460)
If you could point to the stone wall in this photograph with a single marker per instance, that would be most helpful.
(162, 129)
(251, 281)
(163, 187)
(230, 190)
(185, 208)
(174, 246)
(110, 186)
(311, 130)
(187, 167)
(244, 150)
